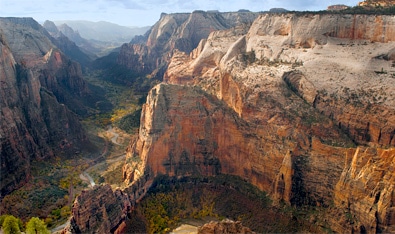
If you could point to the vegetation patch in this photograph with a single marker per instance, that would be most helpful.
(130, 122)
(170, 201)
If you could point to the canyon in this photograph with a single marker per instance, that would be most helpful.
(300, 105)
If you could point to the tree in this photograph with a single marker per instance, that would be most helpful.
(10, 225)
(36, 226)
(2, 218)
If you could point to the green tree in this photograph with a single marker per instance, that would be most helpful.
(36, 226)
(2, 218)
(11, 225)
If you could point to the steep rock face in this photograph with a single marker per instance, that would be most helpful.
(34, 124)
(33, 48)
(177, 32)
(102, 210)
(136, 54)
(99, 210)
(185, 131)
(377, 28)
(51, 28)
(366, 191)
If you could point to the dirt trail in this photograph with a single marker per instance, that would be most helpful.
(85, 176)
(115, 135)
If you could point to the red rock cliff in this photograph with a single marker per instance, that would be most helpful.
(292, 147)
(34, 124)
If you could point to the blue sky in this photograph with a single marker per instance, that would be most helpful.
(143, 12)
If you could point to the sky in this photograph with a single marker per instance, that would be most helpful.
(144, 12)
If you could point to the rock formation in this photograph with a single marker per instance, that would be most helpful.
(110, 209)
(250, 74)
(226, 226)
(299, 105)
(181, 31)
(337, 7)
(37, 81)
(277, 45)
(366, 192)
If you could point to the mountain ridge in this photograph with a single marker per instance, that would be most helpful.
(103, 31)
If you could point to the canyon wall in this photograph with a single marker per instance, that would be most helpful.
(300, 105)
(335, 70)
(37, 83)
(294, 80)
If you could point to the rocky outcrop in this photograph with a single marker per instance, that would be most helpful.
(225, 226)
(36, 78)
(337, 7)
(99, 210)
(301, 86)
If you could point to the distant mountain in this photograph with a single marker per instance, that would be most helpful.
(104, 31)
(78, 50)
(278, 10)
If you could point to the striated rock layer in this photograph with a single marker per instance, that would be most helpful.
(324, 69)
(185, 131)
(35, 79)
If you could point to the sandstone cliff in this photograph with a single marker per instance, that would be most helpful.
(315, 56)
(35, 79)
(326, 60)
(283, 104)
(110, 209)
(365, 191)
